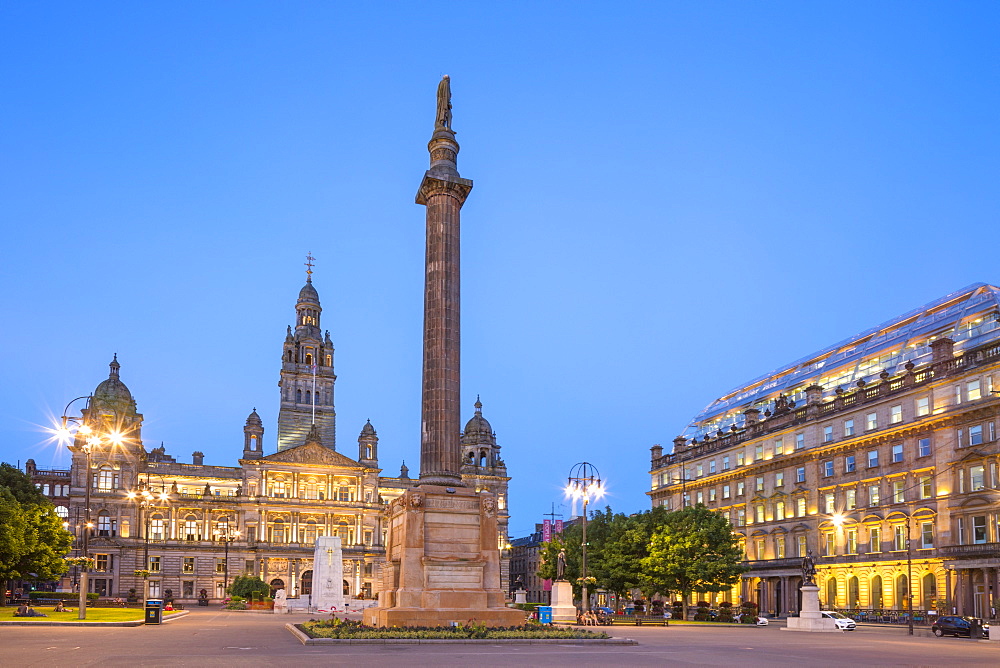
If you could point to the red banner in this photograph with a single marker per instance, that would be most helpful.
(546, 585)
(546, 530)
(559, 527)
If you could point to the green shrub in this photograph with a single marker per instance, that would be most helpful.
(236, 603)
(247, 585)
(61, 595)
(346, 629)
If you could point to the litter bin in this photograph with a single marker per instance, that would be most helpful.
(154, 611)
(545, 614)
(976, 629)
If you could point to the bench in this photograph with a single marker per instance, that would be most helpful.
(639, 620)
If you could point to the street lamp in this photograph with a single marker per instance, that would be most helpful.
(144, 499)
(227, 536)
(87, 439)
(584, 483)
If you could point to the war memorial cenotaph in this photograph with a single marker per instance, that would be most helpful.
(442, 550)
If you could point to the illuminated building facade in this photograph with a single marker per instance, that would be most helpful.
(278, 502)
(878, 454)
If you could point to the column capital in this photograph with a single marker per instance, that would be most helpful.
(443, 184)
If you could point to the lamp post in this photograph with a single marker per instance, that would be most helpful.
(838, 520)
(89, 441)
(227, 536)
(584, 483)
(144, 499)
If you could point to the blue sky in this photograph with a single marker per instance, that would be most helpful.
(671, 199)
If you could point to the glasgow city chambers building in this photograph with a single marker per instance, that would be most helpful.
(149, 520)
(878, 455)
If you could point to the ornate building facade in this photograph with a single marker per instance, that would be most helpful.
(279, 503)
(878, 454)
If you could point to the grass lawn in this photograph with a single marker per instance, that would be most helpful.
(93, 615)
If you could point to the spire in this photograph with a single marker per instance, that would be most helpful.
(309, 267)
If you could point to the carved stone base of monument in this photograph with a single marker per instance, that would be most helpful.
(442, 561)
(328, 574)
(563, 609)
(521, 596)
(809, 618)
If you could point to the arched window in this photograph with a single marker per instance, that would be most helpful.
(902, 591)
(62, 511)
(482, 459)
(309, 358)
(278, 530)
(876, 592)
(105, 526)
(928, 591)
(107, 479)
(308, 397)
(156, 527)
(310, 531)
(191, 528)
(253, 442)
(368, 452)
(329, 360)
(852, 592)
(306, 583)
(347, 588)
(298, 396)
(289, 355)
(831, 592)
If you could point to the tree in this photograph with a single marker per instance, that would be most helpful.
(246, 585)
(626, 543)
(693, 550)
(33, 541)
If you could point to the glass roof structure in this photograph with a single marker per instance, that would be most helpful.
(970, 317)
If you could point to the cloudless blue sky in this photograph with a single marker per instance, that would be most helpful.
(671, 198)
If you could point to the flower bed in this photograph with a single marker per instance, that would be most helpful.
(347, 630)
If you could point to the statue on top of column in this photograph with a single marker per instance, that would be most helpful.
(443, 119)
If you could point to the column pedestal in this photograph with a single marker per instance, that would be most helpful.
(442, 562)
(563, 610)
(809, 618)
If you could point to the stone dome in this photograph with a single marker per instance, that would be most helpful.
(477, 429)
(368, 429)
(308, 293)
(253, 418)
(113, 393)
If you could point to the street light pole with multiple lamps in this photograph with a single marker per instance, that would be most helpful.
(584, 483)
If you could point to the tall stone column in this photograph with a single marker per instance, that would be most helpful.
(443, 192)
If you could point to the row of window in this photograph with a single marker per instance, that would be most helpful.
(851, 544)
(52, 490)
(969, 391)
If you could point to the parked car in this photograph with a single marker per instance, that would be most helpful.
(843, 622)
(957, 626)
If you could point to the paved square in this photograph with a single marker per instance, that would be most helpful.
(219, 638)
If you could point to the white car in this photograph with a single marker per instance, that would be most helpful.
(843, 622)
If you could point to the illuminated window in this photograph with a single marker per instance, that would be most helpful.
(779, 547)
(699, 472)
(62, 511)
(898, 537)
(725, 491)
(779, 446)
(800, 507)
(759, 548)
(154, 565)
(976, 478)
(103, 562)
(828, 503)
(923, 406)
(758, 452)
(873, 495)
(872, 458)
(759, 513)
(739, 488)
(801, 546)
(779, 479)
(898, 491)
(156, 527)
(711, 495)
(926, 535)
(831, 544)
(760, 483)
(188, 565)
(852, 541)
(871, 421)
(874, 539)
(925, 487)
(740, 459)
(779, 510)
(851, 499)
(972, 390)
(895, 414)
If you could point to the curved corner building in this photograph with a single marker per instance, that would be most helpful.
(877, 454)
